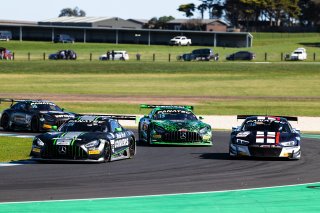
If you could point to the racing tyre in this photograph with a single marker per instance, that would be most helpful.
(107, 152)
(5, 122)
(149, 136)
(132, 147)
(35, 124)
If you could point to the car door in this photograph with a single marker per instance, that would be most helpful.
(121, 140)
(20, 115)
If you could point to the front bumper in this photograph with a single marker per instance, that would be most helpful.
(178, 138)
(293, 152)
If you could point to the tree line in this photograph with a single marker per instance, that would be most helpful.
(252, 13)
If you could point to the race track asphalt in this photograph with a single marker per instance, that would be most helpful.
(158, 170)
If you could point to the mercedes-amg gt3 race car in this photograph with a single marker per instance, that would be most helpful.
(34, 115)
(89, 138)
(265, 136)
(173, 125)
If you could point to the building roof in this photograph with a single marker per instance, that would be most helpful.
(139, 21)
(76, 19)
(17, 22)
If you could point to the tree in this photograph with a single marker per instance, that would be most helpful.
(72, 12)
(202, 8)
(160, 23)
(188, 9)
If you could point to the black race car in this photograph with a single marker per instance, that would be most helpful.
(34, 115)
(265, 136)
(90, 138)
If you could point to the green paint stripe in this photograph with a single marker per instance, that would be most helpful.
(293, 199)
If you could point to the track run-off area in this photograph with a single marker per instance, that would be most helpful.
(168, 179)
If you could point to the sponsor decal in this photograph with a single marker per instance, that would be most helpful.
(157, 136)
(36, 150)
(63, 116)
(64, 142)
(94, 152)
(121, 143)
(173, 111)
(243, 134)
(120, 135)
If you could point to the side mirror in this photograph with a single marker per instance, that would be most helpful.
(146, 116)
(201, 118)
(62, 109)
(119, 129)
(234, 128)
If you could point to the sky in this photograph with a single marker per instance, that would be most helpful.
(39, 10)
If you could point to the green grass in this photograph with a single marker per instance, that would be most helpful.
(14, 149)
(259, 86)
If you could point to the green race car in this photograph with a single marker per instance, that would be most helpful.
(173, 125)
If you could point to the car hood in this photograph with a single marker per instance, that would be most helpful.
(261, 137)
(69, 138)
(58, 114)
(176, 125)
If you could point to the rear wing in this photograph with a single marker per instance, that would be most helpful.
(289, 118)
(116, 117)
(10, 100)
(144, 106)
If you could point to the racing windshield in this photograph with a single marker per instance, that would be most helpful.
(266, 125)
(84, 126)
(45, 106)
(174, 114)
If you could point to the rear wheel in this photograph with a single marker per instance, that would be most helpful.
(35, 124)
(5, 122)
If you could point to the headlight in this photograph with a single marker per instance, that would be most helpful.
(288, 143)
(204, 130)
(39, 142)
(48, 117)
(242, 142)
(92, 144)
(159, 129)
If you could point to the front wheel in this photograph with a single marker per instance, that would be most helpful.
(107, 152)
(35, 124)
(5, 122)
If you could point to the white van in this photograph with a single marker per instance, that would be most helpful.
(118, 55)
(299, 54)
(5, 35)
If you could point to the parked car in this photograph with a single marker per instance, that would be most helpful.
(299, 54)
(5, 54)
(241, 55)
(180, 41)
(204, 54)
(118, 55)
(64, 55)
(5, 35)
(63, 38)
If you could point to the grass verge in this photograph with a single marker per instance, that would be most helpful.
(14, 149)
